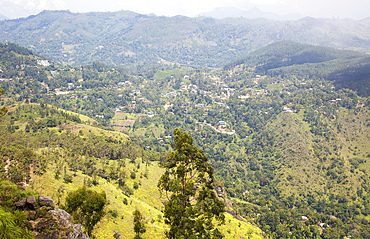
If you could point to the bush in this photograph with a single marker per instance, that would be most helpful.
(113, 213)
(68, 178)
(136, 185)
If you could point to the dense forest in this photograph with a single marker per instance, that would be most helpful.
(289, 145)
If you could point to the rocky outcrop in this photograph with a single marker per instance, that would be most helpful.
(46, 222)
(46, 201)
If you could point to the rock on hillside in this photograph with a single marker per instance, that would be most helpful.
(45, 222)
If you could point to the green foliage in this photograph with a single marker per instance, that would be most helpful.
(13, 223)
(192, 202)
(68, 178)
(10, 193)
(86, 207)
(12, 226)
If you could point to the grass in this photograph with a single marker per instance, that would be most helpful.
(234, 228)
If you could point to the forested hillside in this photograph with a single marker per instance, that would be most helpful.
(346, 69)
(290, 151)
(127, 38)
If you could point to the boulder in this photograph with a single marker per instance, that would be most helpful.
(21, 203)
(31, 202)
(46, 201)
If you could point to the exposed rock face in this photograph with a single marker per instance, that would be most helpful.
(78, 233)
(49, 224)
(46, 201)
(31, 202)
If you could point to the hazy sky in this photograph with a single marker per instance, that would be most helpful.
(355, 9)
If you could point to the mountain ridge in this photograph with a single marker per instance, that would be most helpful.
(131, 39)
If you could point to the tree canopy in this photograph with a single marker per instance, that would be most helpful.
(86, 206)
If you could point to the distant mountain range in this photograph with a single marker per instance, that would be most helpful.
(230, 12)
(129, 39)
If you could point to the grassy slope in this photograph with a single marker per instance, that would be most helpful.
(146, 199)
(86, 127)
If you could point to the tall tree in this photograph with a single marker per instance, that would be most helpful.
(192, 203)
(139, 225)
